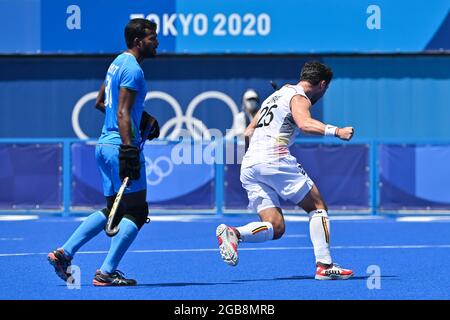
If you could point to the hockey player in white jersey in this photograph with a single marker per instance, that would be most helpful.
(269, 171)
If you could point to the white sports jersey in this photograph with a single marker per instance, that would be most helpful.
(275, 130)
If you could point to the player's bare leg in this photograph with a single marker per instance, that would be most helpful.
(271, 227)
(319, 228)
(273, 217)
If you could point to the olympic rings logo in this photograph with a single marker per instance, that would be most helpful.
(193, 125)
(154, 167)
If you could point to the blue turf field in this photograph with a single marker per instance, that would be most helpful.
(180, 260)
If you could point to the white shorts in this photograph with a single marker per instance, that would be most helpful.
(266, 182)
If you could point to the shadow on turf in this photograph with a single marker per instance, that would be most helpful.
(188, 284)
(179, 284)
(312, 278)
(170, 284)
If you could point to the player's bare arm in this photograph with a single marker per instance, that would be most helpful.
(250, 129)
(100, 101)
(126, 101)
(300, 108)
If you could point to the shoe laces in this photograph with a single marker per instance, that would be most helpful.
(65, 260)
(117, 274)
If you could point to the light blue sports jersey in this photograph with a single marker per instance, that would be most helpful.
(125, 72)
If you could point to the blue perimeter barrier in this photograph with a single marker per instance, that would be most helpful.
(385, 161)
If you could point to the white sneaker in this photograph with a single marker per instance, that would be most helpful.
(332, 272)
(228, 242)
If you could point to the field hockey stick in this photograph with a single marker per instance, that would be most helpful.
(274, 85)
(110, 230)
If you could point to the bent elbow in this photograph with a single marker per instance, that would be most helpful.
(120, 115)
(100, 106)
(304, 126)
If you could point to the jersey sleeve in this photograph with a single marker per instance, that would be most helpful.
(131, 78)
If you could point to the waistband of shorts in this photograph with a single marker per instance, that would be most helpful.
(267, 160)
(103, 144)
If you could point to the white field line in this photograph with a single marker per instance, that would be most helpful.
(294, 236)
(18, 217)
(419, 246)
(422, 219)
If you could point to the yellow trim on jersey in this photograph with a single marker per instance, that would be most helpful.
(284, 141)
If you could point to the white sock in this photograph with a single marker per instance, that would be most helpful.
(256, 232)
(319, 229)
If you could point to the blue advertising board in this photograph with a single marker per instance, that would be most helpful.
(414, 177)
(339, 171)
(171, 184)
(231, 26)
(31, 176)
(61, 92)
(383, 97)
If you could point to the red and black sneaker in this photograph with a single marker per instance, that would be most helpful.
(332, 272)
(60, 262)
(117, 278)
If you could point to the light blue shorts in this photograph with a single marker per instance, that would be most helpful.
(107, 156)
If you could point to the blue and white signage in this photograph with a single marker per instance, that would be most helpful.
(231, 26)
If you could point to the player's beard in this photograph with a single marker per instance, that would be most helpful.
(149, 52)
(316, 97)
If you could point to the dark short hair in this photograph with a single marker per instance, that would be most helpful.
(136, 29)
(315, 71)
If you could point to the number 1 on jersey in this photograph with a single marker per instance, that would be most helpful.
(108, 91)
